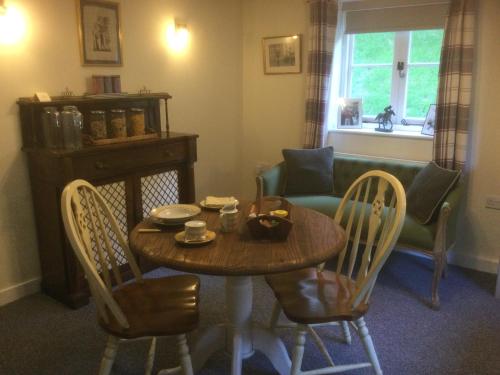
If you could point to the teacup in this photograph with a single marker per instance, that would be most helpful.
(228, 218)
(195, 230)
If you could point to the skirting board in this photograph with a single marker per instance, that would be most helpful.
(477, 263)
(19, 291)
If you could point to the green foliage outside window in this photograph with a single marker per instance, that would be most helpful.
(374, 83)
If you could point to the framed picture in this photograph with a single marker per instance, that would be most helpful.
(100, 33)
(282, 54)
(430, 119)
(350, 113)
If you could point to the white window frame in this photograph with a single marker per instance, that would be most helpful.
(399, 88)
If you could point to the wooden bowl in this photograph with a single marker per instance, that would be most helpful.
(265, 226)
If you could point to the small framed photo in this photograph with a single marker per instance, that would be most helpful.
(350, 113)
(282, 54)
(100, 32)
(430, 120)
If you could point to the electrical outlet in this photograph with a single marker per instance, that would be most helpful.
(493, 201)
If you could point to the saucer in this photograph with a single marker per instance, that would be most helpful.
(180, 239)
(215, 207)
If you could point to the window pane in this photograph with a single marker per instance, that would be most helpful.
(426, 46)
(374, 48)
(373, 85)
(422, 90)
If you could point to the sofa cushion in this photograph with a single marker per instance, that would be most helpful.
(326, 204)
(428, 190)
(413, 234)
(309, 171)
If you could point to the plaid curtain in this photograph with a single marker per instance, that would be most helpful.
(323, 22)
(455, 86)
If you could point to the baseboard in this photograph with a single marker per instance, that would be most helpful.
(20, 290)
(475, 262)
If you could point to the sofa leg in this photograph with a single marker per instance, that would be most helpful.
(439, 262)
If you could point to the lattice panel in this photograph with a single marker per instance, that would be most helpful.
(158, 190)
(114, 195)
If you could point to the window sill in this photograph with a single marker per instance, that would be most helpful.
(394, 134)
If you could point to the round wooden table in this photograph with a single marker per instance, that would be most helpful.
(313, 239)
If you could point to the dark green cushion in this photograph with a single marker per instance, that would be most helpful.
(428, 190)
(308, 171)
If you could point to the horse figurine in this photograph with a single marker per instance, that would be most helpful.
(384, 118)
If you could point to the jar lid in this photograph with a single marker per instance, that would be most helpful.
(118, 111)
(70, 108)
(98, 112)
(136, 109)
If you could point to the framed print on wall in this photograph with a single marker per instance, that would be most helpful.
(282, 54)
(430, 120)
(100, 32)
(350, 113)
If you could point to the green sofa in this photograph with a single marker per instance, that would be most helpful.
(433, 239)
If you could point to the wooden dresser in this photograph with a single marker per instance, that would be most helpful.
(133, 177)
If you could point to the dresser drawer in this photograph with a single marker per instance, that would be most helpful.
(115, 162)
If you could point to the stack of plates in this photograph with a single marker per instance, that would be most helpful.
(174, 214)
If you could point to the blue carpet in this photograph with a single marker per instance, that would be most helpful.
(40, 336)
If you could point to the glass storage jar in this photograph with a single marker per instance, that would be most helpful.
(118, 124)
(136, 122)
(98, 125)
(51, 128)
(71, 124)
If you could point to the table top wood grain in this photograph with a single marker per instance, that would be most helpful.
(314, 238)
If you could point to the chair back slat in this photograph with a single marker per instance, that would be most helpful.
(109, 249)
(377, 227)
(90, 225)
(348, 228)
(374, 220)
(359, 228)
(94, 231)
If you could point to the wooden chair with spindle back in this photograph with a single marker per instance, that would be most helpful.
(316, 296)
(145, 308)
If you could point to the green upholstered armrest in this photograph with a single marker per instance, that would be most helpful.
(271, 182)
(450, 207)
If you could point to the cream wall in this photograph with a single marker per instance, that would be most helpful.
(273, 105)
(206, 84)
(478, 243)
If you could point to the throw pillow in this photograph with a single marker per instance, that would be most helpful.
(309, 171)
(428, 190)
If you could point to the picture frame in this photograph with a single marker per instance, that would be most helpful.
(282, 54)
(100, 33)
(430, 121)
(350, 114)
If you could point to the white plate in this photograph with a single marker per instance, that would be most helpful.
(215, 206)
(174, 213)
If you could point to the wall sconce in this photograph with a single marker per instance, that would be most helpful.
(12, 24)
(178, 36)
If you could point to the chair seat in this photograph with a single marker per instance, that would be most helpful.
(157, 307)
(308, 296)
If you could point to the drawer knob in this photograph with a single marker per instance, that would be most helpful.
(101, 165)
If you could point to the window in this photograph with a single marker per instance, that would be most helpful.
(397, 68)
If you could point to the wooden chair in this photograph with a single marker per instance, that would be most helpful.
(143, 309)
(315, 296)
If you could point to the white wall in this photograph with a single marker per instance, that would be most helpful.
(206, 84)
(478, 243)
(273, 105)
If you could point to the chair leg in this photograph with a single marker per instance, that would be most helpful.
(298, 351)
(109, 355)
(439, 260)
(346, 332)
(186, 365)
(151, 357)
(275, 315)
(368, 345)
